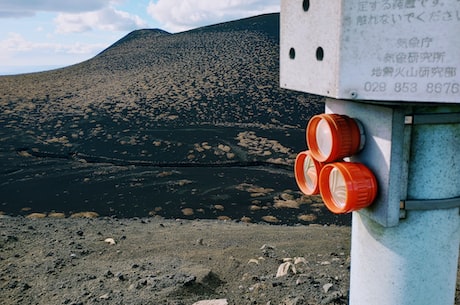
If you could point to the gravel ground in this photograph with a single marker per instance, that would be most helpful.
(158, 261)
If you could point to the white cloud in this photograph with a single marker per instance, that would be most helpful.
(17, 43)
(180, 15)
(76, 16)
(20, 55)
(27, 8)
(35, 44)
(107, 19)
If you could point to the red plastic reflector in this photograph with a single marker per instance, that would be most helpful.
(347, 186)
(331, 137)
(306, 170)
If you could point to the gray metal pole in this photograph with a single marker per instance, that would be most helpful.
(415, 262)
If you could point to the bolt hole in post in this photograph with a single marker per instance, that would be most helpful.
(306, 5)
(292, 53)
(319, 54)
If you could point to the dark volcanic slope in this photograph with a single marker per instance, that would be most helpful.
(223, 74)
(152, 120)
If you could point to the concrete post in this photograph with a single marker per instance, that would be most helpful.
(415, 262)
(370, 65)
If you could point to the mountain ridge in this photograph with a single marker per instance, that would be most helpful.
(268, 22)
(136, 34)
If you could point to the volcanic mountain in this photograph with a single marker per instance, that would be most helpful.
(192, 124)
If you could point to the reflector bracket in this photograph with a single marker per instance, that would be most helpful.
(431, 204)
(432, 118)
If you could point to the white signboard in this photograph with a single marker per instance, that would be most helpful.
(386, 50)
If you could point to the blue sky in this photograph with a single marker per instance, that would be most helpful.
(37, 35)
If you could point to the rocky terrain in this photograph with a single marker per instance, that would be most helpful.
(158, 261)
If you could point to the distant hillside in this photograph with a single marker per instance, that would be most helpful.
(221, 74)
(192, 124)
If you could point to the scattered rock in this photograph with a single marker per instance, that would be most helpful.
(120, 276)
(110, 241)
(24, 153)
(293, 301)
(105, 296)
(290, 204)
(327, 286)
(303, 278)
(307, 217)
(56, 215)
(268, 251)
(253, 261)
(269, 218)
(109, 274)
(300, 260)
(84, 215)
(284, 269)
(187, 211)
(335, 298)
(202, 276)
(219, 207)
(9, 238)
(246, 219)
(36, 215)
(212, 302)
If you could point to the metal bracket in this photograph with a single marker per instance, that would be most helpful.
(432, 118)
(433, 204)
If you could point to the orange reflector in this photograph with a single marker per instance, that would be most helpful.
(347, 186)
(331, 137)
(306, 170)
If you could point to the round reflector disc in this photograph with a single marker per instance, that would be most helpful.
(306, 170)
(347, 186)
(338, 188)
(324, 137)
(331, 137)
